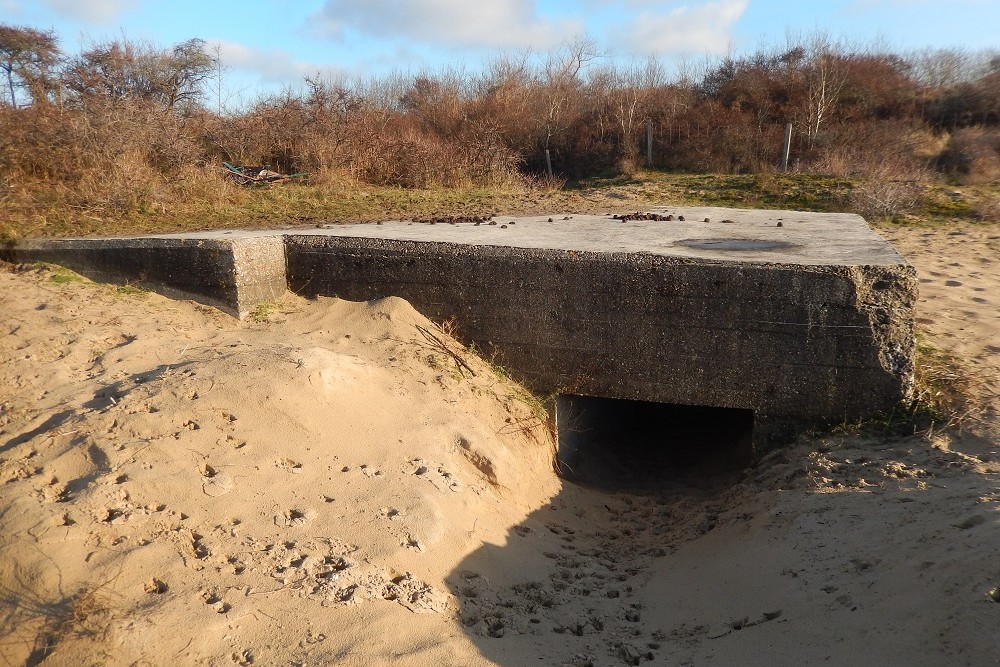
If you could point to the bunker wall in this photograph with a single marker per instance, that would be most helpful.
(799, 343)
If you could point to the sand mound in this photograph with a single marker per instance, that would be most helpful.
(166, 469)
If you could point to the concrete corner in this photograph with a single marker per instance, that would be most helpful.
(231, 274)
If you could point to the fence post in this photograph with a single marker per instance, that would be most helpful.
(649, 143)
(786, 149)
(548, 163)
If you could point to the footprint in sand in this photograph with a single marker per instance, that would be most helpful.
(215, 601)
(295, 517)
(435, 474)
(215, 483)
(952, 283)
(54, 491)
(155, 586)
(391, 513)
(112, 515)
(970, 522)
(289, 465)
(368, 471)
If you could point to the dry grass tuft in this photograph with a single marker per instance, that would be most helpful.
(946, 390)
(31, 622)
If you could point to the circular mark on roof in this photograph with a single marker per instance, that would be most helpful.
(735, 244)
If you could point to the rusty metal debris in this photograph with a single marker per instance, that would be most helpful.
(257, 176)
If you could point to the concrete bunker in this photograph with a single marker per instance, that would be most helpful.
(619, 444)
(791, 319)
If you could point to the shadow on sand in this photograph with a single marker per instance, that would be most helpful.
(564, 589)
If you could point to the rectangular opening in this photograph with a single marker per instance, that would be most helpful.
(621, 444)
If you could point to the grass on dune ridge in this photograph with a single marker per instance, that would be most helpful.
(204, 199)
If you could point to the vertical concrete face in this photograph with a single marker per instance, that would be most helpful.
(793, 342)
(258, 271)
(797, 342)
(232, 274)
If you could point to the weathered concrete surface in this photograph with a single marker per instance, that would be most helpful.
(842, 239)
(811, 321)
(232, 273)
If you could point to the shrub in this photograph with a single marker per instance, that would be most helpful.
(972, 155)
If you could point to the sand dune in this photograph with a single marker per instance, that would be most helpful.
(331, 486)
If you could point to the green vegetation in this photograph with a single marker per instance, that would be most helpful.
(61, 275)
(262, 312)
(306, 204)
(130, 290)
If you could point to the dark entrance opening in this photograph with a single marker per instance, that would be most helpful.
(640, 445)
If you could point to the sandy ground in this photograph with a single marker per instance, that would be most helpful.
(331, 486)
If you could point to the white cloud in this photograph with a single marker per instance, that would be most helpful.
(701, 28)
(486, 23)
(271, 65)
(10, 7)
(626, 3)
(873, 4)
(93, 11)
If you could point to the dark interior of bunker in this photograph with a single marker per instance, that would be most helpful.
(627, 445)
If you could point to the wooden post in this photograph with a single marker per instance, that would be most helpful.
(649, 143)
(548, 162)
(786, 149)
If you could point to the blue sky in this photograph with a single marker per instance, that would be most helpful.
(271, 43)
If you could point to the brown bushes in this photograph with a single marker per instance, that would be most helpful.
(371, 144)
(115, 160)
(972, 155)
(121, 128)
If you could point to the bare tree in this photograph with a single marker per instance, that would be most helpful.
(825, 76)
(941, 68)
(560, 83)
(122, 70)
(629, 90)
(184, 71)
(28, 58)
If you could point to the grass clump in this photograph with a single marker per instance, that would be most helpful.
(262, 312)
(60, 274)
(945, 388)
(944, 395)
(131, 290)
(43, 624)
